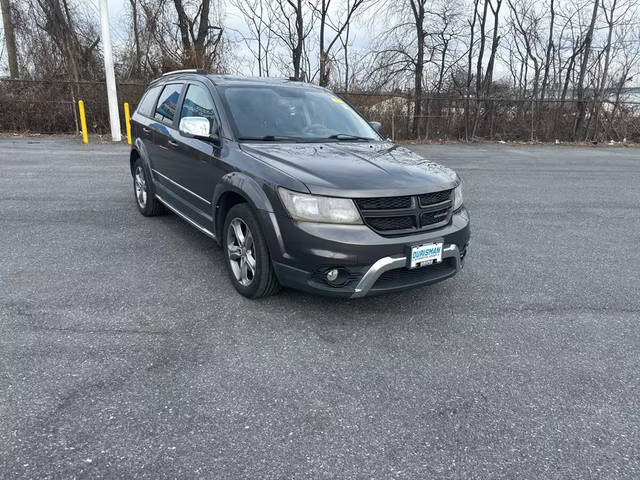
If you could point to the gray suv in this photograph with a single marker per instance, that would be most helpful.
(298, 188)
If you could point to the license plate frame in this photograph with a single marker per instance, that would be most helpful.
(425, 254)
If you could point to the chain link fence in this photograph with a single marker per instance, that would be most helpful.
(51, 107)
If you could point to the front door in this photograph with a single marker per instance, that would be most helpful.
(198, 161)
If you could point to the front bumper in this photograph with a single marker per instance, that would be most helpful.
(450, 255)
(372, 264)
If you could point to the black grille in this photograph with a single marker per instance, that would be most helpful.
(392, 223)
(402, 215)
(384, 203)
(430, 218)
(435, 197)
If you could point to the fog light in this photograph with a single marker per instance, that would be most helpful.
(332, 275)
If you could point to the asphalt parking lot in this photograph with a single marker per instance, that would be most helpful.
(126, 353)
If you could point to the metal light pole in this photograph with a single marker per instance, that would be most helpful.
(112, 94)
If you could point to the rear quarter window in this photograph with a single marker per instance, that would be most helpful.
(145, 107)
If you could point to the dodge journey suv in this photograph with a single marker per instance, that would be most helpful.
(297, 187)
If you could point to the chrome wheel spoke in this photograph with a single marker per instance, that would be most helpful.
(234, 252)
(237, 230)
(251, 262)
(244, 272)
(235, 268)
(248, 241)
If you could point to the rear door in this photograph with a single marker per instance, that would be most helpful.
(198, 162)
(143, 117)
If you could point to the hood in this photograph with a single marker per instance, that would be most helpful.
(355, 169)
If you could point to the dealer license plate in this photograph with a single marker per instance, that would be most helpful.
(428, 254)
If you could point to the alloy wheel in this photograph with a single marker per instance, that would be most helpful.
(140, 187)
(240, 249)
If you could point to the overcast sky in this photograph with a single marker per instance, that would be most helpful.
(119, 18)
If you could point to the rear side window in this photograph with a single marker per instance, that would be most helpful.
(145, 107)
(167, 103)
(198, 103)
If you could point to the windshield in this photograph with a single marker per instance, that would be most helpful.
(291, 113)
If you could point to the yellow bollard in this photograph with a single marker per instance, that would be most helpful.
(127, 122)
(83, 122)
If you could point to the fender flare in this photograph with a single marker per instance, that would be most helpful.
(140, 148)
(243, 185)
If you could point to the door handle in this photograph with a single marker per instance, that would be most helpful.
(173, 143)
(146, 130)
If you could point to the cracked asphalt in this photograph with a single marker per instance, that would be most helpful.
(126, 353)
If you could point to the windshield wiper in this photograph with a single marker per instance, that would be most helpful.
(271, 138)
(347, 136)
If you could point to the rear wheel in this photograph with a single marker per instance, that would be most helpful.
(146, 200)
(247, 257)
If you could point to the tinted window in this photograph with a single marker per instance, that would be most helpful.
(198, 103)
(292, 112)
(167, 103)
(145, 107)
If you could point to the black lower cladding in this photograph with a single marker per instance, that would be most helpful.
(304, 252)
(405, 277)
(346, 276)
(395, 279)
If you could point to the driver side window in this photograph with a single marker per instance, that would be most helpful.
(198, 103)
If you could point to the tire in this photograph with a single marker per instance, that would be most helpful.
(259, 281)
(146, 200)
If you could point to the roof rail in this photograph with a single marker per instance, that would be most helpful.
(187, 70)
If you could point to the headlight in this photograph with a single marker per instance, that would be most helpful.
(457, 197)
(312, 208)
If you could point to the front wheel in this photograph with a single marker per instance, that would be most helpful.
(247, 257)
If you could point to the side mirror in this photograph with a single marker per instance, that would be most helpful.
(199, 127)
(377, 126)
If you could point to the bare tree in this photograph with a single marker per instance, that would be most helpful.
(339, 25)
(482, 21)
(258, 18)
(571, 61)
(472, 31)
(446, 28)
(9, 38)
(136, 68)
(526, 22)
(586, 51)
(549, 52)
(292, 27)
(200, 39)
(73, 43)
(629, 57)
(612, 17)
(494, 45)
